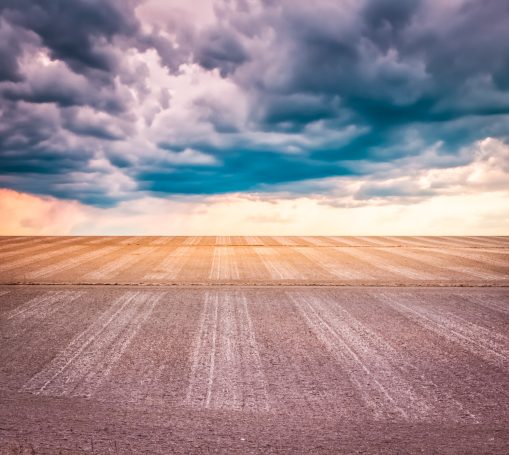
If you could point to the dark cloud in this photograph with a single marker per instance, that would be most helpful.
(11, 39)
(299, 109)
(56, 84)
(390, 61)
(220, 48)
(78, 31)
(326, 89)
(410, 73)
(99, 127)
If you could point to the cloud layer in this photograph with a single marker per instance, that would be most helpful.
(351, 102)
(464, 200)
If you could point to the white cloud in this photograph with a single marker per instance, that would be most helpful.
(465, 200)
(190, 156)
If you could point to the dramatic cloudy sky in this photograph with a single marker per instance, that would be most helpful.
(254, 116)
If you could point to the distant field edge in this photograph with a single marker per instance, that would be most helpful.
(261, 285)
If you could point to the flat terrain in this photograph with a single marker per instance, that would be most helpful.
(162, 345)
(375, 261)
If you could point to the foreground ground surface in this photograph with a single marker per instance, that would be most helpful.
(251, 351)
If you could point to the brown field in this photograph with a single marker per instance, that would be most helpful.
(162, 345)
(354, 261)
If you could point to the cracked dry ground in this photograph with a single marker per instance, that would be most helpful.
(158, 345)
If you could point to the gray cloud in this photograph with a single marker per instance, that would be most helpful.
(322, 89)
(220, 48)
(78, 32)
(11, 39)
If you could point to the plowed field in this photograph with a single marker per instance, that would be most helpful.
(162, 345)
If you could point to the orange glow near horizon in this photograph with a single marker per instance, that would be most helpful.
(26, 214)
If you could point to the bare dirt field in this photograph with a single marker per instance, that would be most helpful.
(161, 345)
(375, 261)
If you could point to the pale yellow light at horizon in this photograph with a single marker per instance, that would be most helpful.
(473, 214)
(469, 199)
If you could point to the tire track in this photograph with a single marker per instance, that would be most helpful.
(191, 241)
(480, 256)
(302, 377)
(487, 303)
(460, 241)
(317, 241)
(114, 267)
(285, 241)
(226, 370)
(487, 242)
(253, 241)
(30, 249)
(239, 240)
(42, 306)
(100, 240)
(153, 370)
(410, 241)
(71, 263)
(375, 241)
(439, 262)
(250, 266)
(431, 242)
(278, 268)
(224, 264)
(478, 340)
(41, 256)
(161, 241)
(396, 269)
(502, 241)
(364, 358)
(390, 241)
(422, 358)
(22, 244)
(87, 361)
(171, 265)
(4, 240)
(481, 242)
(332, 266)
(348, 242)
(480, 315)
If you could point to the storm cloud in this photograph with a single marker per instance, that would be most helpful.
(101, 101)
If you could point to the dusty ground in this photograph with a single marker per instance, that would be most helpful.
(376, 261)
(254, 345)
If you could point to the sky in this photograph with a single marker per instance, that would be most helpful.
(262, 117)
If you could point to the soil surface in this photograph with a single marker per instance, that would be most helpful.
(159, 345)
(347, 261)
